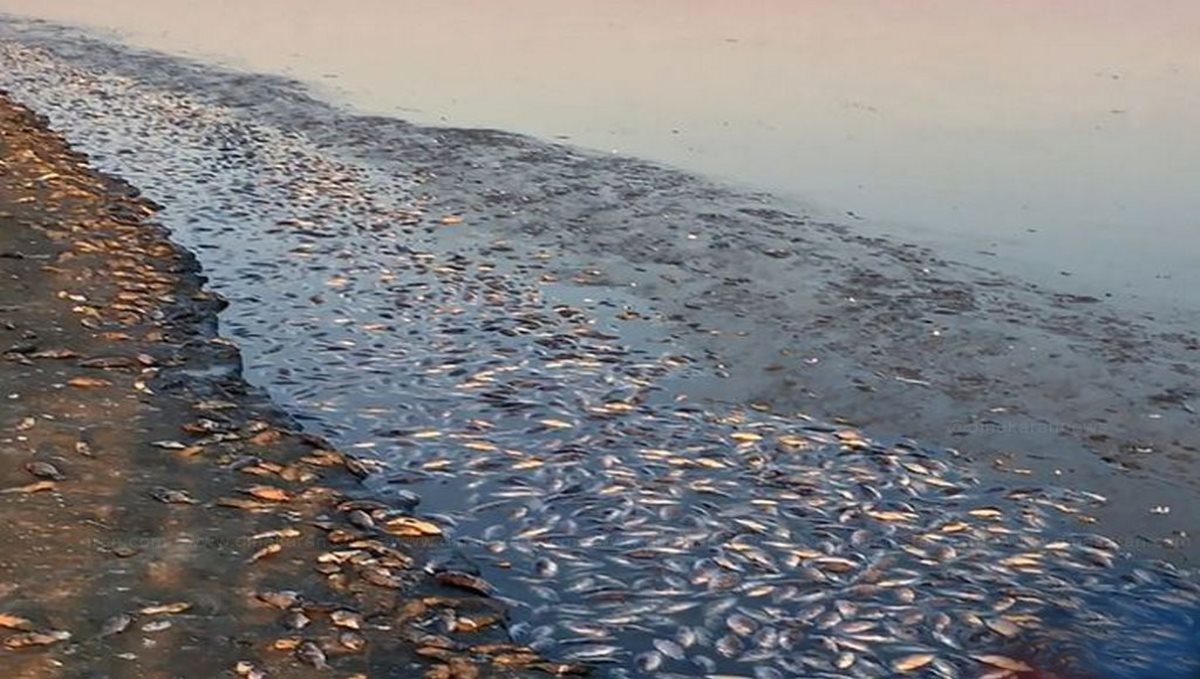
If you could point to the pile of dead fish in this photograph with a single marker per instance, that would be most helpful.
(625, 527)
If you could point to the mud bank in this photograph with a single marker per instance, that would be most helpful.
(539, 404)
(163, 518)
(773, 306)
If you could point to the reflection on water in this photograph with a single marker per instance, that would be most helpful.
(1052, 138)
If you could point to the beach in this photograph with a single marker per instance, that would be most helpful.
(163, 515)
(648, 422)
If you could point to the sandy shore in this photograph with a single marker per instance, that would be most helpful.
(519, 308)
(163, 515)
(776, 307)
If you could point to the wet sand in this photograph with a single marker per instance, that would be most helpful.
(163, 516)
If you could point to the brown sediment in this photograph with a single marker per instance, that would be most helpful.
(164, 519)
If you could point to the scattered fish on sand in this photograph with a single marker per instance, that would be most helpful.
(624, 527)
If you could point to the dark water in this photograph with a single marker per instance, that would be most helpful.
(543, 422)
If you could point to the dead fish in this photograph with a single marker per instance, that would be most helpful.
(338, 536)
(474, 624)
(268, 493)
(156, 626)
(243, 503)
(296, 620)
(15, 622)
(53, 354)
(545, 568)
(729, 646)
(88, 382)
(169, 445)
(44, 470)
(613, 498)
(741, 625)
(581, 628)
(945, 553)
(281, 599)
(704, 663)
(465, 581)
(245, 668)
(669, 648)
(911, 663)
(1003, 662)
(28, 639)
(360, 519)
(171, 496)
(273, 548)
(648, 661)
(279, 533)
(405, 499)
(352, 641)
(115, 625)
(35, 487)
(107, 362)
(311, 654)
(380, 577)
(410, 526)
(346, 618)
(166, 609)
(1003, 627)
(594, 653)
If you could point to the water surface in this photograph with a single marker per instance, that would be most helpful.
(1052, 139)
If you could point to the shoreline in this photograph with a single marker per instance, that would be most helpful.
(779, 308)
(637, 311)
(163, 514)
(739, 138)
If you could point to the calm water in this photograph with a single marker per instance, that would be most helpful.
(1053, 139)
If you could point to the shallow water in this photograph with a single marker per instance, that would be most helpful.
(1051, 139)
(624, 525)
